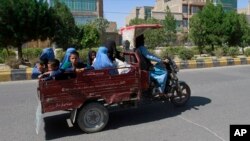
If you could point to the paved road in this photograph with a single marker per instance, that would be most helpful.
(220, 97)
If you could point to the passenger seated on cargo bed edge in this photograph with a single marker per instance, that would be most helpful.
(102, 61)
(117, 57)
(53, 71)
(91, 58)
(66, 62)
(76, 65)
(42, 65)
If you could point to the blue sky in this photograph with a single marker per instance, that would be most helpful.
(117, 10)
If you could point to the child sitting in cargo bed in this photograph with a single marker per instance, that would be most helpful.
(75, 64)
(53, 71)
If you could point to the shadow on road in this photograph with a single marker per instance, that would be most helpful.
(56, 126)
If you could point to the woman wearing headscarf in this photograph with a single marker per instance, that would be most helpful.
(102, 61)
(91, 57)
(42, 65)
(158, 72)
(112, 51)
(115, 56)
(66, 61)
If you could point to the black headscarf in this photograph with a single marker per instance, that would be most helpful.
(139, 41)
(112, 51)
(90, 60)
(111, 46)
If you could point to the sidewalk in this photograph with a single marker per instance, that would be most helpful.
(7, 74)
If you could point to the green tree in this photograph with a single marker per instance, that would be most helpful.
(197, 32)
(137, 21)
(232, 29)
(65, 29)
(101, 24)
(153, 37)
(212, 18)
(245, 39)
(169, 24)
(23, 21)
(90, 36)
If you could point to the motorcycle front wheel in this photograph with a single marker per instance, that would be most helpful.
(180, 98)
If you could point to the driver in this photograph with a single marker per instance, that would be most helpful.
(158, 73)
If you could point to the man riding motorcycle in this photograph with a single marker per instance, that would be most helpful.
(158, 73)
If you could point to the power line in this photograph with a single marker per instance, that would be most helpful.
(112, 12)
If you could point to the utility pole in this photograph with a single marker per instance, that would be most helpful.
(188, 14)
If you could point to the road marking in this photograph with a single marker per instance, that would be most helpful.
(209, 130)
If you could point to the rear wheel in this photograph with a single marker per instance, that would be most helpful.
(93, 117)
(181, 98)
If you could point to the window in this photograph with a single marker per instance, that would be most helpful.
(147, 13)
(184, 9)
(79, 5)
(83, 19)
(195, 9)
(88, 5)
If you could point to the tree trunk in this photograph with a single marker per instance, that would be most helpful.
(7, 50)
(20, 53)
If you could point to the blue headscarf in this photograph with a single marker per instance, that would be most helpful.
(66, 62)
(102, 60)
(47, 54)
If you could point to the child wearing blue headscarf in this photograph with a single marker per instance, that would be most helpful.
(41, 66)
(102, 61)
(66, 62)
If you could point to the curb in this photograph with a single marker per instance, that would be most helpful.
(191, 64)
(25, 74)
(15, 74)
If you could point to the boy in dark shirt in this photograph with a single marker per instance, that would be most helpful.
(53, 70)
(76, 65)
(39, 69)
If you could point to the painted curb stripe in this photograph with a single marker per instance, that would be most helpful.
(28, 73)
(18, 74)
(5, 76)
(243, 60)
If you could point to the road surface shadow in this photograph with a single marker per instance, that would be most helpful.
(57, 127)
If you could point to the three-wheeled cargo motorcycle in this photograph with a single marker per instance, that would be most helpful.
(89, 95)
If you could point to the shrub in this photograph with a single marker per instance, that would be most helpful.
(195, 50)
(185, 54)
(4, 55)
(13, 62)
(225, 50)
(31, 53)
(1, 60)
(208, 50)
(233, 51)
(219, 52)
(168, 52)
(247, 52)
(83, 55)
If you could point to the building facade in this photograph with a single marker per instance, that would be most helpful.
(83, 10)
(227, 4)
(140, 13)
(182, 10)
